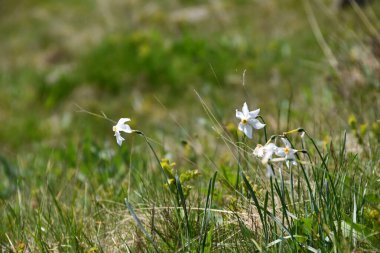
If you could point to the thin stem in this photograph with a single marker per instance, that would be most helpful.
(153, 151)
(265, 128)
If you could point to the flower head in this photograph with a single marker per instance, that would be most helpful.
(248, 120)
(265, 152)
(288, 152)
(121, 127)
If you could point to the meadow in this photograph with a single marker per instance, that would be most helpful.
(199, 168)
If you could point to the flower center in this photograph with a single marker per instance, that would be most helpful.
(114, 128)
(244, 121)
(286, 150)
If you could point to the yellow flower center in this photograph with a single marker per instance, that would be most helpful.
(286, 150)
(244, 121)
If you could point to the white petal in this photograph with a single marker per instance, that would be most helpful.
(286, 142)
(125, 128)
(119, 138)
(254, 114)
(291, 156)
(256, 124)
(280, 152)
(245, 110)
(241, 127)
(259, 151)
(271, 147)
(122, 121)
(268, 155)
(248, 131)
(239, 114)
(270, 172)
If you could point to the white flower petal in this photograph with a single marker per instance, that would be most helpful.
(280, 152)
(271, 146)
(286, 142)
(259, 151)
(239, 114)
(241, 127)
(266, 151)
(245, 110)
(268, 155)
(248, 131)
(291, 156)
(256, 124)
(119, 138)
(122, 121)
(125, 128)
(270, 172)
(254, 114)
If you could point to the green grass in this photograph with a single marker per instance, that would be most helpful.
(192, 185)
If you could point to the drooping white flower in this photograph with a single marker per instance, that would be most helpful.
(248, 120)
(121, 127)
(288, 152)
(265, 152)
(259, 150)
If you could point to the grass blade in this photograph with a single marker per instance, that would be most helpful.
(183, 204)
(255, 200)
(203, 234)
(139, 225)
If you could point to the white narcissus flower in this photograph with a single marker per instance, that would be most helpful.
(121, 127)
(266, 152)
(259, 150)
(288, 152)
(248, 120)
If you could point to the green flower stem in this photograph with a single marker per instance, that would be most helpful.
(265, 128)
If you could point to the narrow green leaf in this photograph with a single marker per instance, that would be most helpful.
(139, 225)
(183, 204)
(252, 193)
